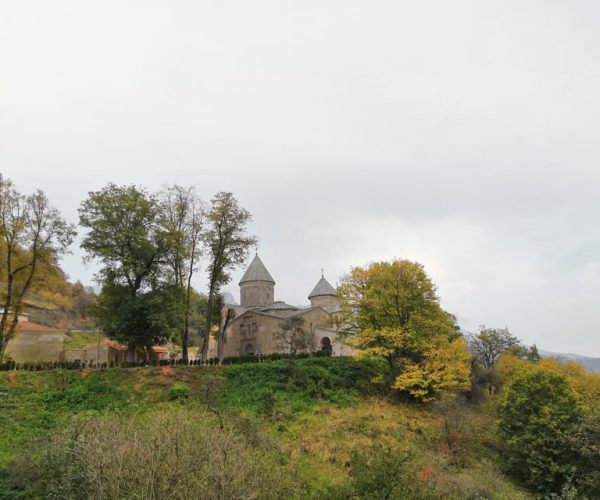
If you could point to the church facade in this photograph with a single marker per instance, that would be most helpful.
(258, 320)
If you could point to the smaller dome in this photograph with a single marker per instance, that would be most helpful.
(257, 272)
(323, 287)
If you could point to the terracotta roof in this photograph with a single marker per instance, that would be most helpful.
(110, 343)
(28, 326)
(115, 345)
(158, 348)
(257, 272)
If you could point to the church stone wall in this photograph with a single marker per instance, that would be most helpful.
(257, 294)
(252, 332)
(328, 302)
(339, 345)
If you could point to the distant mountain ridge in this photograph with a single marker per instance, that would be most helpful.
(592, 364)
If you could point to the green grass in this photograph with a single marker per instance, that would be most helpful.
(79, 340)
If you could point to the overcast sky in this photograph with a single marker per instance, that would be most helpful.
(461, 134)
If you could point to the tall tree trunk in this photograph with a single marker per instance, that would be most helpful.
(10, 298)
(185, 334)
(184, 344)
(209, 312)
(130, 356)
(222, 331)
(8, 302)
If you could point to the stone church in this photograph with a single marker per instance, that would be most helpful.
(259, 317)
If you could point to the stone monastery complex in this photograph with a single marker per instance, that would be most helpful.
(254, 327)
(259, 317)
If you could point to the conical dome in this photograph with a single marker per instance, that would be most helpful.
(322, 288)
(257, 272)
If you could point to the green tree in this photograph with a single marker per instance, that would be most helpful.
(227, 245)
(33, 236)
(182, 220)
(490, 343)
(141, 320)
(124, 234)
(537, 414)
(293, 337)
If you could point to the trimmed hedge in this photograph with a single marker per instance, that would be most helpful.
(9, 364)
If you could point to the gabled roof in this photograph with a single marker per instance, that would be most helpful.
(28, 326)
(323, 287)
(264, 312)
(300, 312)
(279, 304)
(257, 272)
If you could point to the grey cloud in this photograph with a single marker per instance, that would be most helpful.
(462, 134)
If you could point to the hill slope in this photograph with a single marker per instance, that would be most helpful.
(325, 432)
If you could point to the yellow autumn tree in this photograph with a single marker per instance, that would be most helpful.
(445, 368)
(585, 384)
(391, 309)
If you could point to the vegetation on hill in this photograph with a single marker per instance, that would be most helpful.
(81, 339)
(421, 413)
(325, 431)
(55, 301)
(319, 428)
(33, 236)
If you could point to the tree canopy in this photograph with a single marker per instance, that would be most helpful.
(33, 236)
(124, 234)
(391, 310)
(227, 244)
(181, 219)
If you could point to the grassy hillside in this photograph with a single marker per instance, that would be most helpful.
(79, 340)
(326, 431)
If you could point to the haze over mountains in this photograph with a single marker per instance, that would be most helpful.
(592, 364)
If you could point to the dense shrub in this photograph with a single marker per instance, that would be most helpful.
(248, 358)
(266, 402)
(315, 380)
(586, 443)
(537, 414)
(337, 380)
(179, 391)
(274, 356)
(72, 392)
(176, 453)
(384, 473)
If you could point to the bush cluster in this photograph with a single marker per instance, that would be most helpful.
(9, 364)
(175, 453)
(179, 391)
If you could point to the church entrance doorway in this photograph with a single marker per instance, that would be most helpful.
(249, 349)
(326, 346)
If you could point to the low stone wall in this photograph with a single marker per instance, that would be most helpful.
(34, 347)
